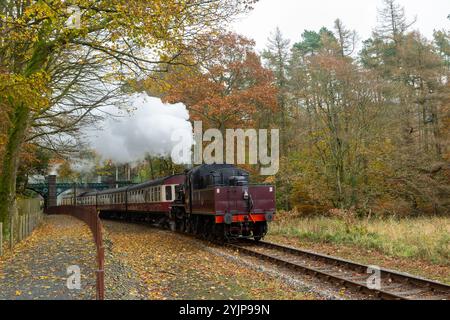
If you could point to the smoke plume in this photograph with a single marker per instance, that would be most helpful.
(146, 130)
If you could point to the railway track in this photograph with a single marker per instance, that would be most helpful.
(393, 285)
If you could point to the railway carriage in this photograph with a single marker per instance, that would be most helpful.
(216, 201)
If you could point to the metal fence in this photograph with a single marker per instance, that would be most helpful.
(91, 218)
(29, 217)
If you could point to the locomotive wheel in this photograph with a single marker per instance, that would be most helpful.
(220, 232)
(208, 230)
(259, 231)
(194, 225)
(188, 226)
(181, 225)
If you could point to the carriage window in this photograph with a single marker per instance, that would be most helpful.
(168, 193)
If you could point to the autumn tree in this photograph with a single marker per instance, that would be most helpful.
(336, 100)
(55, 71)
(415, 89)
(230, 90)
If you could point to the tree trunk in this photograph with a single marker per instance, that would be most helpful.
(16, 136)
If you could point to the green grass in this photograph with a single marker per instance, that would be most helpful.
(421, 238)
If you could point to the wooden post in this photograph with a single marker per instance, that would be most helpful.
(21, 228)
(11, 235)
(1, 239)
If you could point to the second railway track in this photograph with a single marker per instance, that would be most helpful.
(393, 285)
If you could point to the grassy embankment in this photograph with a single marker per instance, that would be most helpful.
(425, 239)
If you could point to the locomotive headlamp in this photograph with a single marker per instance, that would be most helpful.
(269, 216)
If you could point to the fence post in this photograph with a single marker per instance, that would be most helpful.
(20, 228)
(1, 239)
(11, 235)
(19, 233)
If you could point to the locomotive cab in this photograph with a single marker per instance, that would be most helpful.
(222, 199)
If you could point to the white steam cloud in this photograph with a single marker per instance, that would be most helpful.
(147, 130)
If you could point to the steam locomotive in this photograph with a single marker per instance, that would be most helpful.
(214, 201)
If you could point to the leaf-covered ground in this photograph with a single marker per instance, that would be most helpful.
(141, 263)
(172, 266)
(37, 267)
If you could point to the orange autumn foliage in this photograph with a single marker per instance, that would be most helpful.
(228, 90)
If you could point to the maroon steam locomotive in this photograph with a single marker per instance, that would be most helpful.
(216, 201)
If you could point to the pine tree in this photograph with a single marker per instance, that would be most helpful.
(277, 59)
(392, 21)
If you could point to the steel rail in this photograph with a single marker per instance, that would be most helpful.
(396, 280)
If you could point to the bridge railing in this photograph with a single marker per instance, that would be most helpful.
(91, 218)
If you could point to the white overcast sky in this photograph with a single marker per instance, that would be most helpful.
(294, 16)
